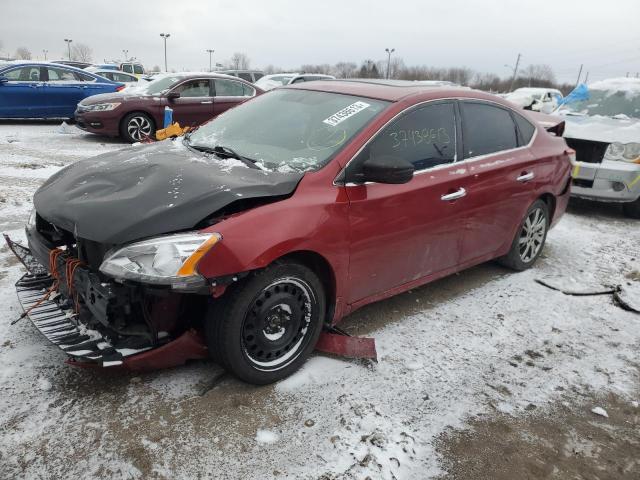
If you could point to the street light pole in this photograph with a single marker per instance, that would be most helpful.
(165, 36)
(515, 72)
(45, 54)
(389, 52)
(68, 40)
(210, 53)
(126, 54)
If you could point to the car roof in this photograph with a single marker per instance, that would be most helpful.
(30, 63)
(392, 90)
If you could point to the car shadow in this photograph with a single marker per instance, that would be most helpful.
(590, 208)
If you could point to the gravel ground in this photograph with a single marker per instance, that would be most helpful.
(484, 374)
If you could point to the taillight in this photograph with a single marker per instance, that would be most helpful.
(571, 153)
(121, 87)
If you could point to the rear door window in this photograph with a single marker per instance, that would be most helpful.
(229, 88)
(486, 129)
(425, 137)
(61, 75)
(24, 74)
(83, 77)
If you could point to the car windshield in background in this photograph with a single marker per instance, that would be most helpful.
(289, 130)
(608, 103)
(161, 84)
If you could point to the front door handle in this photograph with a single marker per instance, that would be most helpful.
(525, 177)
(208, 102)
(461, 192)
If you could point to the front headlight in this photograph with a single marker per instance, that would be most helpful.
(167, 260)
(100, 107)
(32, 219)
(628, 152)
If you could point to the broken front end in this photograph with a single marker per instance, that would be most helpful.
(140, 306)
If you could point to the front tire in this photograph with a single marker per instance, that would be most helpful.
(632, 209)
(137, 126)
(263, 329)
(530, 238)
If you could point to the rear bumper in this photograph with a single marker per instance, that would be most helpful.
(609, 181)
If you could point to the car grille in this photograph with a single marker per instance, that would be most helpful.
(588, 150)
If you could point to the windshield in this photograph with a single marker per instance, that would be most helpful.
(159, 85)
(608, 103)
(289, 130)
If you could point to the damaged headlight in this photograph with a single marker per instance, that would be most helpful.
(628, 152)
(100, 107)
(167, 260)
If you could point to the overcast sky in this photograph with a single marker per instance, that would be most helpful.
(483, 35)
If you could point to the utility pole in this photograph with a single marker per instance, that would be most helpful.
(579, 74)
(165, 36)
(210, 51)
(389, 52)
(45, 54)
(126, 54)
(515, 72)
(68, 40)
(586, 78)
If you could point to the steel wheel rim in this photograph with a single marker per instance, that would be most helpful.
(532, 235)
(139, 127)
(276, 328)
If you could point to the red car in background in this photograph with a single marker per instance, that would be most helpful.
(281, 216)
(137, 113)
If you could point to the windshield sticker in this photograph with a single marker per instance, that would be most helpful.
(345, 113)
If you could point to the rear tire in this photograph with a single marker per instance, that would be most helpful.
(137, 126)
(530, 238)
(263, 329)
(632, 209)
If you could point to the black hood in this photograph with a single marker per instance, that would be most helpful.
(149, 190)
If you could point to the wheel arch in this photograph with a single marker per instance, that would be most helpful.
(321, 267)
(550, 200)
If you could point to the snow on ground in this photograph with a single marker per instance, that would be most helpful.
(480, 342)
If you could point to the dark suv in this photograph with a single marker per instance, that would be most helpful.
(137, 113)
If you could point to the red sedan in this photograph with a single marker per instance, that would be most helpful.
(136, 113)
(281, 216)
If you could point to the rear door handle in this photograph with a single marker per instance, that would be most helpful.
(208, 102)
(525, 177)
(461, 192)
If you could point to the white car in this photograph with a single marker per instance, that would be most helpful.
(269, 82)
(543, 100)
(604, 130)
(117, 76)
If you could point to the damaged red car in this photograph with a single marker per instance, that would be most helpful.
(253, 236)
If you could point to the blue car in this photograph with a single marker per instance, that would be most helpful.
(46, 90)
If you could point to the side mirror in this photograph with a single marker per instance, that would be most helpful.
(173, 95)
(387, 169)
(3, 80)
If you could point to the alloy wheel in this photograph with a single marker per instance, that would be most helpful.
(532, 235)
(139, 128)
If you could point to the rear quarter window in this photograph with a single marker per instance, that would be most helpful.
(486, 129)
(525, 127)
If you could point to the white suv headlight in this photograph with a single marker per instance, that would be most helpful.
(628, 152)
(167, 260)
(100, 107)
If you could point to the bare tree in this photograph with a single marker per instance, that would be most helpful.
(23, 53)
(538, 75)
(239, 61)
(345, 70)
(156, 68)
(81, 52)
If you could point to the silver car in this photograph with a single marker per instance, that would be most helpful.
(604, 130)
